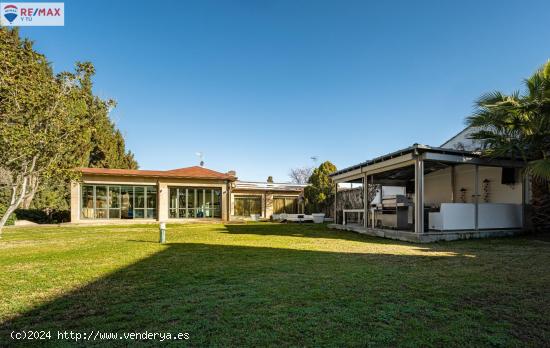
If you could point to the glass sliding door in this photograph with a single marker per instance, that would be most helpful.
(101, 206)
(285, 205)
(200, 203)
(151, 202)
(190, 207)
(194, 202)
(173, 210)
(139, 202)
(127, 202)
(207, 206)
(87, 211)
(118, 202)
(246, 206)
(114, 202)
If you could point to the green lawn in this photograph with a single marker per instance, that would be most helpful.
(274, 285)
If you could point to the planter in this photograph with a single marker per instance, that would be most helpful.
(318, 218)
(255, 217)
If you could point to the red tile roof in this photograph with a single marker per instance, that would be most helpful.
(194, 172)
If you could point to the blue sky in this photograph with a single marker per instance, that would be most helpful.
(262, 86)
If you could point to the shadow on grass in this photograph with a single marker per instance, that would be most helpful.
(234, 295)
(307, 230)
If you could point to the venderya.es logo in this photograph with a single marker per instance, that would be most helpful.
(10, 12)
(32, 14)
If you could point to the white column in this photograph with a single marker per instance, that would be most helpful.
(336, 203)
(226, 201)
(524, 183)
(163, 201)
(419, 195)
(476, 196)
(75, 201)
(365, 201)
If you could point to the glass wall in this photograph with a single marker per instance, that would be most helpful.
(245, 206)
(285, 205)
(118, 202)
(191, 202)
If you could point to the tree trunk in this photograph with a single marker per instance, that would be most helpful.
(27, 200)
(541, 206)
(6, 216)
(18, 193)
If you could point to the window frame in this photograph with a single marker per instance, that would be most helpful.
(108, 208)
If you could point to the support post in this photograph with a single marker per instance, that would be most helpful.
(419, 195)
(453, 180)
(365, 201)
(524, 183)
(336, 203)
(476, 196)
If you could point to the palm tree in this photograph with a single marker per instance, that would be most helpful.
(518, 126)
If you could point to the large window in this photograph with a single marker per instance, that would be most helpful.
(191, 202)
(245, 206)
(118, 202)
(282, 205)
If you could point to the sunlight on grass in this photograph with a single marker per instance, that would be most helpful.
(276, 284)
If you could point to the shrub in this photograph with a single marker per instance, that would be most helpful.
(42, 217)
(59, 216)
(34, 215)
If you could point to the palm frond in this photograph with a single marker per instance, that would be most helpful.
(539, 169)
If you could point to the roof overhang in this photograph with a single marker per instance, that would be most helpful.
(407, 157)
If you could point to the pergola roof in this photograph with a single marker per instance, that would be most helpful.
(439, 154)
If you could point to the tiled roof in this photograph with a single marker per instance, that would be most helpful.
(195, 172)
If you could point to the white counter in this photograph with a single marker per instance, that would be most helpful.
(461, 216)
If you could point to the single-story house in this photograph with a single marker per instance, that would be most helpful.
(178, 195)
(429, 193)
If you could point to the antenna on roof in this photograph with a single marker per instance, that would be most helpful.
(201, 157)
(314, 159)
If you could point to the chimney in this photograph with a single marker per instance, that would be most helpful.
(232, 173)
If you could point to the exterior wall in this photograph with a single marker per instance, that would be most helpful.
(267, 200)
(438, 188)
(462, 141)
(163, 201)
(75, 201)
(162, 184)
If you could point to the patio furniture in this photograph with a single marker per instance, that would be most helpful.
(345, 211)
(318, 218)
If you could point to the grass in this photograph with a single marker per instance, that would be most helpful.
(274, 285)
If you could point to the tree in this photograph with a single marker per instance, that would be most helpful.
(319, 193)
(270, 179)
(518, 125)
(41, 120)
(34, 100)
(300, 175)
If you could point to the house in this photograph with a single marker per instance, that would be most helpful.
(178, 195)
(461, 194)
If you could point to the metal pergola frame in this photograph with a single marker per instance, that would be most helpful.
(417, 156)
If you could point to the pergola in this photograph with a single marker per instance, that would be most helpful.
(408, 168)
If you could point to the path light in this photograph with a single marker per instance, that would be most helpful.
(162, 238)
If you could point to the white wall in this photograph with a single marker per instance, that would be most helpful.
(437, 186)
(462, 141)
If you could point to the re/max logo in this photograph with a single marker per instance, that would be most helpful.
(31, 12)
